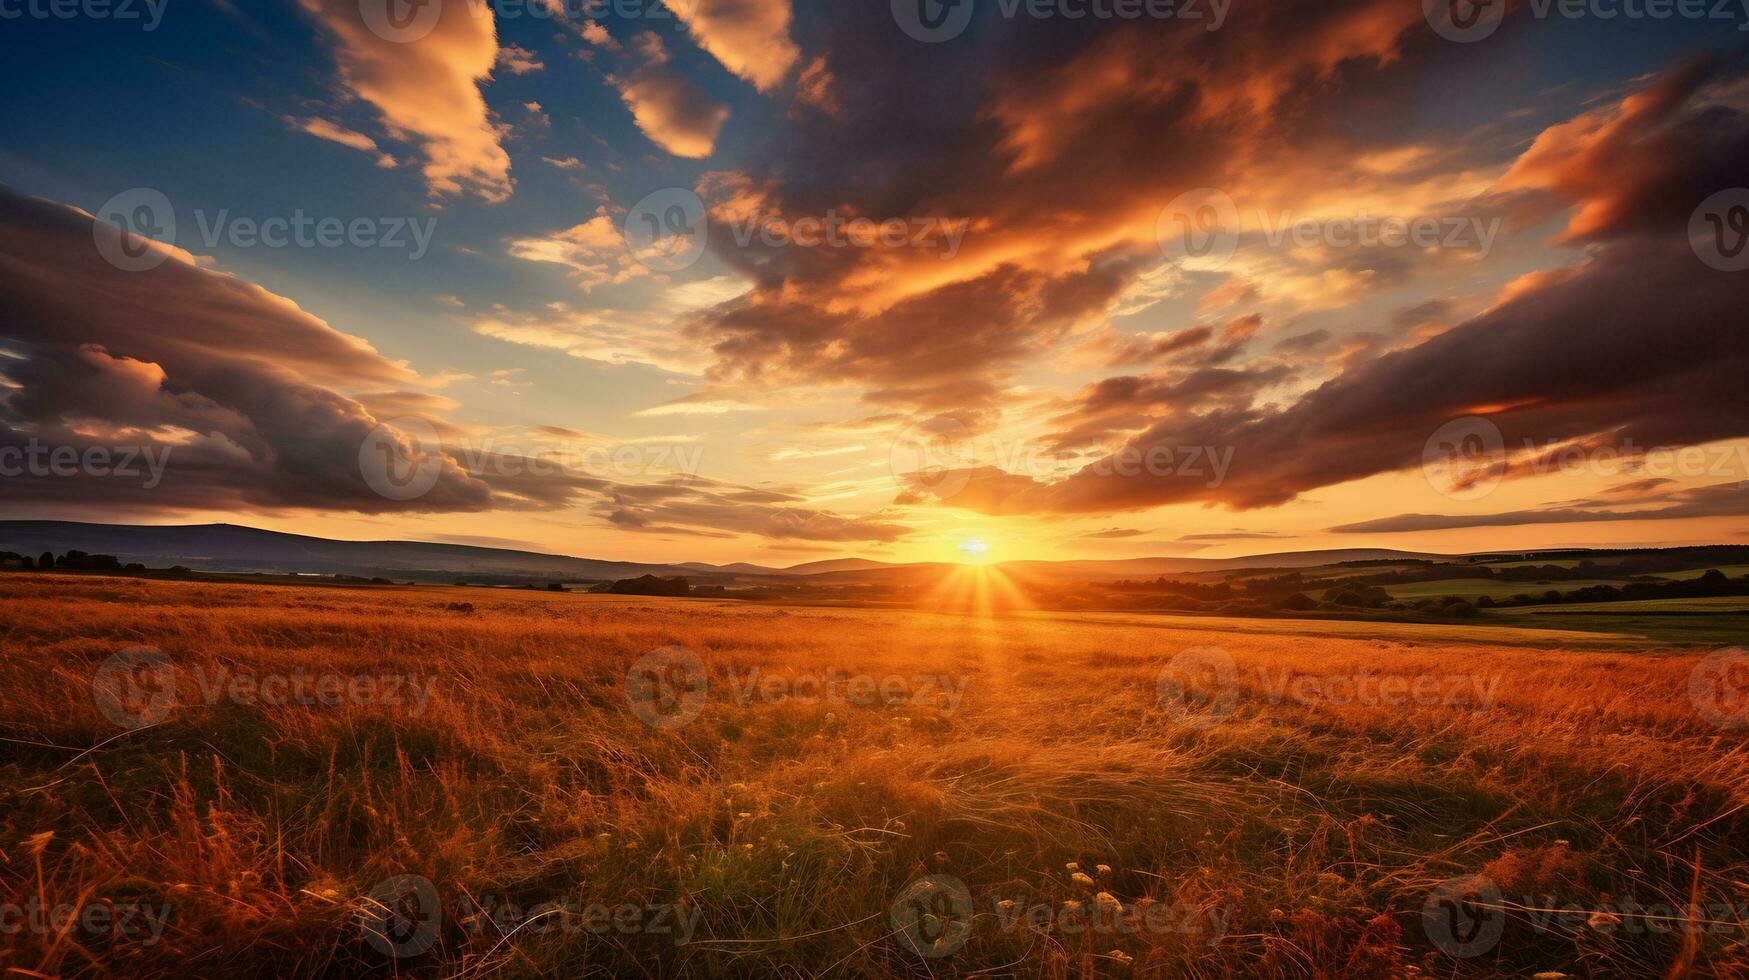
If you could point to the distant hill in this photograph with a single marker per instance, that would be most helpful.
(232, 548)
(1147, 567)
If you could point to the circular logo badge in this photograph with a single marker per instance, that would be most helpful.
(1463, 917)
(402, 458)
(1199, 228)
(1199, 687)
(1719, 688)
(1465, 459)
(932, 917)
(1464, 21)
(932, 21)
(135, 687)
(401, 21)
(666, 230)
(667, 687)
(1718, 231)
(402, 916)
(933, 457)
(129, 223)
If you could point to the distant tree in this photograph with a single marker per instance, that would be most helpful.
(651, 585)
(47, 560)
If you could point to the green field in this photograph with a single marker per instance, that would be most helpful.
(1720, 620)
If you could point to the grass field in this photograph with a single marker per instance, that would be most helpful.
(449, 782)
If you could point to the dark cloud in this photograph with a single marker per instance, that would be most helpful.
(254, 405)
(1719, 500)
(1642, 341)
(1057, 147)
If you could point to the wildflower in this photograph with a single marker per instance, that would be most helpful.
(1006, 905)
(1080, 878)
(743, 814)
(1108, 902)
(1121, 956)
(1103, 869)
(1072, 866)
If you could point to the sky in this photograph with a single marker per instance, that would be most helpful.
(778, 280)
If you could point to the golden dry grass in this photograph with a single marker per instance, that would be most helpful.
(1292, 837)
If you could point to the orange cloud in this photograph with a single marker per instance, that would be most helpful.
(749, 37)
(427, 89)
